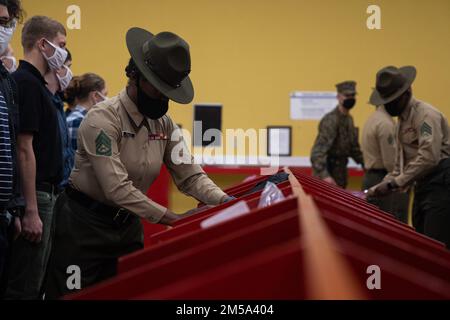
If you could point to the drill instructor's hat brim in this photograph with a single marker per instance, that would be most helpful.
(391, 83)
(164, 60)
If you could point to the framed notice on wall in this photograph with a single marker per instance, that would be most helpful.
(312, 105)
(279, 141)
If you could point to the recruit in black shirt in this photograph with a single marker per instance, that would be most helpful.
(38, 116)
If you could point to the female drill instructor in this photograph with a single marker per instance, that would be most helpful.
(122, 143)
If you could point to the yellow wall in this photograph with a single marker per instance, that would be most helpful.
(250, 54)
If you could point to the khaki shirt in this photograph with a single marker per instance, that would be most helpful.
(378, 141)
(422, 136)
(118, 158)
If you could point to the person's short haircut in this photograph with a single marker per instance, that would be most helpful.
(39, 27)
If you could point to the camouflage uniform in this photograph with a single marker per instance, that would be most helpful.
(337, 140)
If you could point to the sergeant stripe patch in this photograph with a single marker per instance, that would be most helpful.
(103, 145)
(426, 129)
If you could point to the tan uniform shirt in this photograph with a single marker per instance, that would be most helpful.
(118, 159)
(378, 141)
(422, 136)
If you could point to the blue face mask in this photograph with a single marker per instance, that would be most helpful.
(150, 107)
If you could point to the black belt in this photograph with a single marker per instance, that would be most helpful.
(377, 171)
(48, 187)
(116, 214)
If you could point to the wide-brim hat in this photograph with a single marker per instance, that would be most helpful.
(164, 60)
(391, 83)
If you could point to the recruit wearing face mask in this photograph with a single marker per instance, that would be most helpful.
(56, 61)
(102, 97)
(6, 33)
(64, 76)
(151, 107)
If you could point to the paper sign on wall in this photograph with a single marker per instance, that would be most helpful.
(312, 105)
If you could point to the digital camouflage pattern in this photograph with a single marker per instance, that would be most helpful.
(336, 141)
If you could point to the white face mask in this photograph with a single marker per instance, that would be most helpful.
(11, 66)
(58, 58)
(65, 80)
(102, 96)
(5, 37)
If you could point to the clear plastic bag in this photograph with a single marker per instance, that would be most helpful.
(270, 195)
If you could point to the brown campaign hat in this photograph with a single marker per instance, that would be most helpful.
(391, 83)
(164, 60)
(346, 87)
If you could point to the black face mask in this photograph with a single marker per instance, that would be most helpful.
(396, 107)
(150, 107)
(349, 103)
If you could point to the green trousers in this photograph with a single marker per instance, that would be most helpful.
(28, 260)
(431, 210)
(88, 242)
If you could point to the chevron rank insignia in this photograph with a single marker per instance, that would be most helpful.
(426, 130)
(103, 145)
